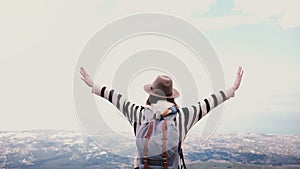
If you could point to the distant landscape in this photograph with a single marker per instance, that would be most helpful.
(48, 149)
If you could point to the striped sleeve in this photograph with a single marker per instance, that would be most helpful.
(131, 111)
(189, 116)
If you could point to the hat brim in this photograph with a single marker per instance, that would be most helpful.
(147, 89)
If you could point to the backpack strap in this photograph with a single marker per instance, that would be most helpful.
(145, 158)
(170, 111)
(164, 146)
(181, 155)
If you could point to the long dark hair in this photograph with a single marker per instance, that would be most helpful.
(153, 99)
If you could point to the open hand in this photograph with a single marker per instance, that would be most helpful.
(238, 79)
(86, 77)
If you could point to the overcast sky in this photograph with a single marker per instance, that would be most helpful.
(42, 40)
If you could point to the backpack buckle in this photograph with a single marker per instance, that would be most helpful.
(145, 159)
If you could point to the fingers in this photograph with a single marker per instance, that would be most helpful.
(238, 80)
(82, 69)
(239, 70)
(83, 72)
(238, 73)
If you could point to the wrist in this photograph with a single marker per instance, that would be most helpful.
(230, 92)
(96, 89)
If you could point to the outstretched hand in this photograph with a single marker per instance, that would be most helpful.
(238, 79)
(86, 77)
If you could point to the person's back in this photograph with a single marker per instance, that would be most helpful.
(161, 97)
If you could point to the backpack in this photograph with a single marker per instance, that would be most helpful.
(157, 140)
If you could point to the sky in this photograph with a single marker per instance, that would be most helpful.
(41, 42)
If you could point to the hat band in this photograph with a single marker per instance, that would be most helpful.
(159, 93)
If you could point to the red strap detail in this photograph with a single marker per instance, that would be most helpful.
(146, 145)
(164, 146)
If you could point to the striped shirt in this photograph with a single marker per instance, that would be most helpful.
(185, 120)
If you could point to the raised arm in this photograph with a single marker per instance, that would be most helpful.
(131, 111)
(189, 116)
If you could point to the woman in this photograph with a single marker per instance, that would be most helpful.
(161, 98)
